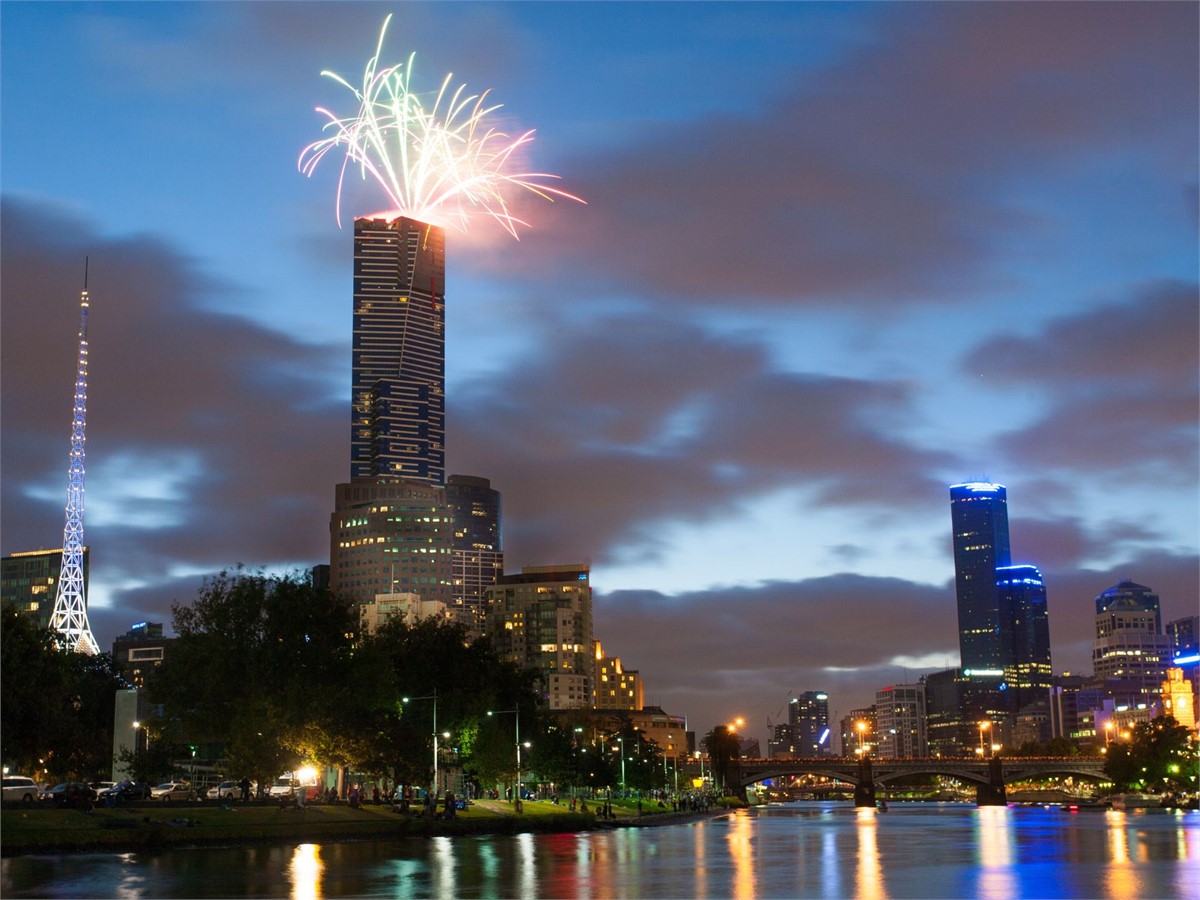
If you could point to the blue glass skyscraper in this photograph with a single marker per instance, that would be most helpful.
(979, 514)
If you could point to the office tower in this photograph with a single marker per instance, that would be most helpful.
(477, 559)
(69, 616)
(1130, 652)
(29, 580)
(616, 686)
(398, 365)
(956, 702)
(858, 731)
(900, 718)
(542, 619)
(808, 717)
(1028, 674)
(389, 536)
(1183, 635)
(979, 514)
(781, 742)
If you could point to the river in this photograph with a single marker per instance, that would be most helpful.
(796, 850)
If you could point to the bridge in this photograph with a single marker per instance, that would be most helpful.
(988, 775)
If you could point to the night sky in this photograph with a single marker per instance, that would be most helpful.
(834, 258)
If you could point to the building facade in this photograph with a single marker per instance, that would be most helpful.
(398, 365)
(808, 720)
(979, 516)
(900, 720)
(29, 581)
(616, 686)
(541, 619)
(388, 536)
(139, 652)
(1129, 652)
(477, 557)
(1028, 673)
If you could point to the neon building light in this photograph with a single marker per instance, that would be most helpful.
(69, 618)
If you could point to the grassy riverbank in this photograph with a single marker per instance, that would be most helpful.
(38, 830)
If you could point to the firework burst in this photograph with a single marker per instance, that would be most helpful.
(443, 163)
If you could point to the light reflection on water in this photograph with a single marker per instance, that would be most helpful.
(797, 850)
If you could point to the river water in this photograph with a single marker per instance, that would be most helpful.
(797, 850)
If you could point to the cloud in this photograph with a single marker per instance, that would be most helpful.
(897, 175)
(1119, 381)
(204, 437)
(599, 437)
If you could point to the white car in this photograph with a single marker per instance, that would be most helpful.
(171, 790)
(19, 789)
(226, 790)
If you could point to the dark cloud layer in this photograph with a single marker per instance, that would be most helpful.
(207, 434)
(889, 178)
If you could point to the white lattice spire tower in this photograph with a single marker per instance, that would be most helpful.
(69, 618)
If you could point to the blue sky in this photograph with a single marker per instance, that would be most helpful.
(834, 258)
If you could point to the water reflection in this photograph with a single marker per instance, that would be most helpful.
(741, 853)
(997, 877)
(305, 871)
(831, 868)
(869, 872)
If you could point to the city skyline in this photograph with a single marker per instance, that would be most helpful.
(835, 258)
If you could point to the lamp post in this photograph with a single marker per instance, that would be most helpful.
(432, 697)
(983, 726)
(516, 719)
(861, 728)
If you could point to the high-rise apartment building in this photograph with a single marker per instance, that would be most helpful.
(808, 718)
(979, 514)
(542, 619)
(29, 581)
(1130, 652)
(390, 536)
(477, 558)
(1184, 635)
(1028, 673)
(398, 366)
(900, 719)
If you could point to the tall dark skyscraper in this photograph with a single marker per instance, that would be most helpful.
(398, 378)
(979, 514)
(477, 556)
(1028, 673)
(808, 718)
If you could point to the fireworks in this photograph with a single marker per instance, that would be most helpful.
(444, 163)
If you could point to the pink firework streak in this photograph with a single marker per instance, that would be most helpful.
(444, 163)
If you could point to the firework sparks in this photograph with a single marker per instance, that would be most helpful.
(443, 163)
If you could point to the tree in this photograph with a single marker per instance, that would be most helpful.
(259, 669)
(1159, 757)
(56, 706)
(723, 746)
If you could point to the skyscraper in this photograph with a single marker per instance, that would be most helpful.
(808, 719)
(1130, 651)
(398, 367)
(476, 556)
(979, 514)
(1028, 674)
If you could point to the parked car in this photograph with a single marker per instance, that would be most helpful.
(20, 789)
(226, 790)
(125, 792)
(283, 789)
(171, 791)
(101, 786)
(70, 793)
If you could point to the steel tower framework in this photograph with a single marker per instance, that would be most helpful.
(69, 618)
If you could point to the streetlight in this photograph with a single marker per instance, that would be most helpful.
(621, 738)
(517, 719)
(861, 727)
(432, 697)
(983, 726)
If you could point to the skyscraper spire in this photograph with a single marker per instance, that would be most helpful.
(69, 618)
